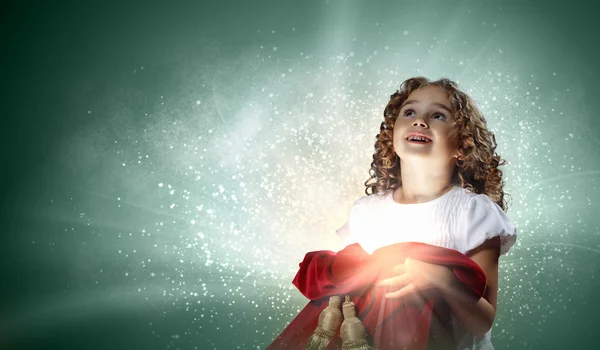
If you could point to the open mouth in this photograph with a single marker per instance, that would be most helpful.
(418, 139)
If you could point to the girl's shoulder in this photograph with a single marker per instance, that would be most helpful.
(366, 198)
(479, 200)
(376, 198)
(465, 195)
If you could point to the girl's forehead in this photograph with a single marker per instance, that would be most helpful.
(430, 92)
(430, 95)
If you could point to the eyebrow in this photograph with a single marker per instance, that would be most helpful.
(435, 104)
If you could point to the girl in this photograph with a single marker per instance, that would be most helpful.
(435, 179)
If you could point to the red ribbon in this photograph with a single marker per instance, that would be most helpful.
(410, 322)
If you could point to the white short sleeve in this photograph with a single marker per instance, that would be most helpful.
(346, 231)
(482, 219)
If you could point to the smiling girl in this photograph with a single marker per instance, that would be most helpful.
(435, 179)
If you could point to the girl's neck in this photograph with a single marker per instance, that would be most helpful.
(420, 184)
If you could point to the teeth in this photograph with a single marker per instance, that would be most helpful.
(418, 138)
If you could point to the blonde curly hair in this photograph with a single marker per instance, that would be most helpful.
(478, 167)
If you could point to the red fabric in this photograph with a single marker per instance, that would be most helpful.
(391, 323)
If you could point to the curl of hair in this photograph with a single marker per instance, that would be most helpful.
(478, 166)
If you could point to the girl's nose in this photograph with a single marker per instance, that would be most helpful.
(420, 122)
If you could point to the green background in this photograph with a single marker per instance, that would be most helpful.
(166, 165)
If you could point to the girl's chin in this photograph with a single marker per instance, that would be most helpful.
(419, 157)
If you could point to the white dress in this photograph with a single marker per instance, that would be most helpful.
(459, 220)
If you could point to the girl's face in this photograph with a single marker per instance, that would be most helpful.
(426, 115)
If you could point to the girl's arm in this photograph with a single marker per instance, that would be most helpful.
(477, 315)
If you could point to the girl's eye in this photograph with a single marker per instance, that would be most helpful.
(409, 113)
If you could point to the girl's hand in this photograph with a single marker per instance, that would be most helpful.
(415, 275)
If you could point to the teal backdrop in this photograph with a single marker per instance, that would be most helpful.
(166, 164)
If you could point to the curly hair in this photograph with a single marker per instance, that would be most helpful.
(477, 169)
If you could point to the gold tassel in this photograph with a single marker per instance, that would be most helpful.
(329, 321)
(353, 333)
